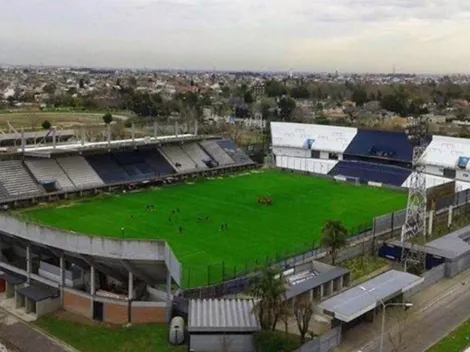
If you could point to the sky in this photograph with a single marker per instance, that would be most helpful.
(420, 36)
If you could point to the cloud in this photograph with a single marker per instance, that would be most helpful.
(356, 35)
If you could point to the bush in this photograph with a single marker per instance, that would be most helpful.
(274, 341)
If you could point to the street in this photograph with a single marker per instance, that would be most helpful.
(437, 310)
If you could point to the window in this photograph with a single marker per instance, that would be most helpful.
(449, 173)
(315, 154)
(333, 156)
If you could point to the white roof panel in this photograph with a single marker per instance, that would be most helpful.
(355, 302)
(445, 151)
(222, 315)
(324, 138)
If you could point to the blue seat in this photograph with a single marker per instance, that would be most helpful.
(233, 151)
(107, 168)
(371, 172)
(383, 144)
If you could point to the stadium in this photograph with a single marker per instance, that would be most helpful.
(115, 230)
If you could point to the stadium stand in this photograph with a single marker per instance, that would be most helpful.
(16, 180)
(178, 158)
(134, 165)
(318, 166)
(448, 152)
(80, 172)
(45, 170)
(198, 155)
(216, 152)
(368, 172)
(316, 137)
(157, 162)
(382, 144)
(233, 151)
(107, 168)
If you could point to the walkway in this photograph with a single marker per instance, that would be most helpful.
(25, 337)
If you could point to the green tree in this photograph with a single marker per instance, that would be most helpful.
(286, 105)
(303, 312)
(275, 88)
(248, 98)
(269, 291)
(334, 238)
(107, 118)
(46, 125)
(359, 96)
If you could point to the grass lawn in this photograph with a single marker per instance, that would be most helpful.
(100, 338)
(362, 266)
(456, 341)
(301, 205)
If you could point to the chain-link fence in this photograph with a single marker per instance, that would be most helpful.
(220, 279)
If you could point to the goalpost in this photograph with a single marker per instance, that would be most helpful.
(350, 179)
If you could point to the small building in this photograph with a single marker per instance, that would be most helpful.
(315, 281)
(359, 303)
(227, 325)
(455, 248)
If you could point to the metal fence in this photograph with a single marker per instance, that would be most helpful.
(216, 280)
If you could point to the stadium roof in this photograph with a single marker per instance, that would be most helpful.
(36, 135)
(46, 151)
(325, 138)
(355, 302)
(454, 244)
(431, 180)
(445, 151)
(307, 285)
(222, 315)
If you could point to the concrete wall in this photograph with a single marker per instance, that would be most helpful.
(52, 273)
(78, 303)
(93, 245)
(47, 306)
(430, 278)
(222, 343)
(324, 343)
(458, 265)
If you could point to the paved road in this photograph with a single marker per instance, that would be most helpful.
(429, 324)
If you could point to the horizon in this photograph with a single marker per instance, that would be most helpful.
(360, 36)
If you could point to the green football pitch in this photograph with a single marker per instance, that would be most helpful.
(190, 218)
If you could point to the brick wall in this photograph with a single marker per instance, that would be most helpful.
(78, 304)
(115, 313)
(143, 315)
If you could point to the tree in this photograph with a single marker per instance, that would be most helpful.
(269, 291)
(359, 96)
(81, 83)
(334, 237)
(286, 106)
(107, 118)
(248, 98)
(46, 125)
(303, 312)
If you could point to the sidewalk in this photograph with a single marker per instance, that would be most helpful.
(28, 338)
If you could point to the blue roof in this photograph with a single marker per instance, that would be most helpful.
(395, 143)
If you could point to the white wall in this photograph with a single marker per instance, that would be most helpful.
(324, 155)
(434, 170)
(328, 138)
(220, 342)
(295, 152)
(317, 166)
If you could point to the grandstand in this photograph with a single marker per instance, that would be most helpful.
(378, 158)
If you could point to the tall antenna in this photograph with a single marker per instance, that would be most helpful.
(413, 259)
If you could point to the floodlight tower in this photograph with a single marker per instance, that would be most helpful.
(415, 222)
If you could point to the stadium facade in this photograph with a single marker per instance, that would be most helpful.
(111, 280)
(376, 158)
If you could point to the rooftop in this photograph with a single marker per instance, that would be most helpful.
(454, 244)
(222, 315)
(355, 302)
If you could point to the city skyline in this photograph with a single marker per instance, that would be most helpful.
(418, 36)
